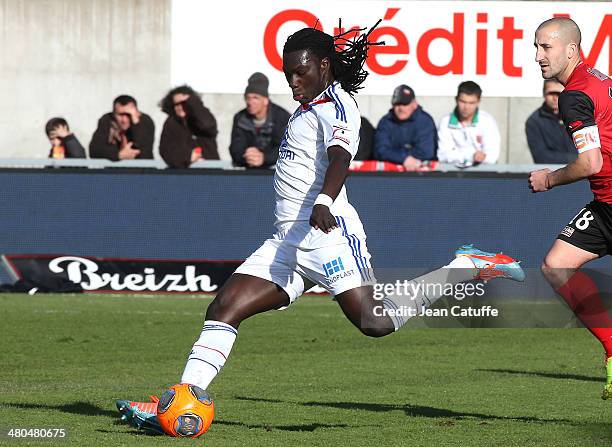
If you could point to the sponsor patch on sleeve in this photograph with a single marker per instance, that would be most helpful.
(341, 133)
(574, 125)
(586, 139)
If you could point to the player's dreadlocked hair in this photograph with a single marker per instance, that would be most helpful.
(346, 56)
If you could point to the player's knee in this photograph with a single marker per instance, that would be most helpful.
(215, 310)
(550, 265)
(551, 262)
(555, 270)
(376, 327)
(372, 325)
(376, 332)
(224, 308)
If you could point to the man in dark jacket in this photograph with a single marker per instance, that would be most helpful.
(366, 140)
(64, 144)
(546, 135)
(190, 131)
(124, 134)
(258, 129)
(407, 134)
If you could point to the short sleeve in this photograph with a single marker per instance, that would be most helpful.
(576, 110)
(578, 114)
(337, 129)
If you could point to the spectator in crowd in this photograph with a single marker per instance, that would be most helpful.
(366, 140)
(406, 135)
(63, 142)
(123, 134)
(548, 140)
(190, 131)
(468, 136)
(259, 128)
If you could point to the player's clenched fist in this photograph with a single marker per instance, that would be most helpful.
(322, 219)
(538, 180)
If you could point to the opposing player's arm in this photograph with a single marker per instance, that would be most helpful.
(578, 113)
(588, 163)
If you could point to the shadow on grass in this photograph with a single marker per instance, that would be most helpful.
(546, 375)
(132, 432)
(413, 410)
(268, 427)
(82, 408)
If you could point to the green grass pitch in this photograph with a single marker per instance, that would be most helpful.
(303, 376)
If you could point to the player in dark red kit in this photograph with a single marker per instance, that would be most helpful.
(586, 109)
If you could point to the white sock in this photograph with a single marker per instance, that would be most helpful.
(460, 269)
(209, 353)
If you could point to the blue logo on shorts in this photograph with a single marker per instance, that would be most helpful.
(334, 266)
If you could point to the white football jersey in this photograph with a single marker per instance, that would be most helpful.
(331, 119)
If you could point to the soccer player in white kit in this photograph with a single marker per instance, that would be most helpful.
(319, 237)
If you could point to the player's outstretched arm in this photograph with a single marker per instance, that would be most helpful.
(588, 163)
(339, 162)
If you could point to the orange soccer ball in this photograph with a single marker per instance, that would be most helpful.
(185, 411)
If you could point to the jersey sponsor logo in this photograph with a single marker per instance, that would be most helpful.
(586, 139)
(286, 154)
(333, 266)
(598, 74)
(341, 133)
(575, 124)
(334, 270)
(567, 232)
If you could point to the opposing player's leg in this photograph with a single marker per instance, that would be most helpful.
(378, 317)
(562, 261)
(582, 241)
(607, 391)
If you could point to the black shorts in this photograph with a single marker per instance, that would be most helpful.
(591, 229)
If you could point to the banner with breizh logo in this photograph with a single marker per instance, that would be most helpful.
(124, 275)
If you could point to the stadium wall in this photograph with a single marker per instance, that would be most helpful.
(72, 57)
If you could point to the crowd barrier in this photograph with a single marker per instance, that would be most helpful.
(412, 220)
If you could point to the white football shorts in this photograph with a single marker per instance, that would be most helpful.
(337, 261)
